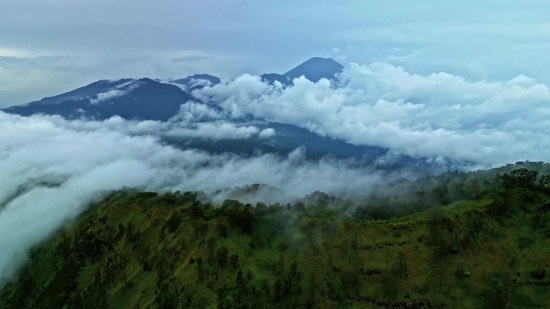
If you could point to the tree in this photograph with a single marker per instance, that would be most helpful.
(202, 229)
(222, 228)
(221, 256)
(293, 269)
(174, 221)
(196, 214)
(544, 181)
(401, 266)
(240, 279)
(211, 247)
(278, 290)
(235, 261)
(518, 178)
(300, 207)
(162, 235)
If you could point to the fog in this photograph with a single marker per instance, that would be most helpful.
(52, 169)
(487, 122)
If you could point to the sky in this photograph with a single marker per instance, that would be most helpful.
(51, 46)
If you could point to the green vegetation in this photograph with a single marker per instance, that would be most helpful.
(467, 242)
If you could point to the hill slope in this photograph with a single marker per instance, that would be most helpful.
(148, 250)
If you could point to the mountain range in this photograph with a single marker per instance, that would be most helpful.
(160, 100)
(148, 99)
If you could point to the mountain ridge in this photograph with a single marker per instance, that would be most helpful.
(314, 69)
(415, 250)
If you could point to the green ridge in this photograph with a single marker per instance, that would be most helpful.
(147, 250)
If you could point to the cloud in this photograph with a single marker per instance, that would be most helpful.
(194, 121)
(107, 95)
(267, 133)
(215, 131)
(434, 115)
(83, 159)
(115, 92)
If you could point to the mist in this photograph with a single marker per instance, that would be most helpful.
(486, 122)
(52, 169)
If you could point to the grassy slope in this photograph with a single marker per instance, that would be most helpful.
(342, 262)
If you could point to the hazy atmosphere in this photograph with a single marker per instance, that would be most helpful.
(385, 123)
(51, 46)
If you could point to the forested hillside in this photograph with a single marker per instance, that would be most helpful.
(473, 241)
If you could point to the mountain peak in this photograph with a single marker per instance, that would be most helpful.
(315, 69)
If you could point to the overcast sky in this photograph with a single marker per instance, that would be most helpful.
(51, 46)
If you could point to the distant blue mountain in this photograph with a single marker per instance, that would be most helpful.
(315, 69)
(83, 92)
(147, 99)
(143, 99)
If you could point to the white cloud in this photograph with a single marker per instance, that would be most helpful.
(267, 133)
(84, 161)
(115, 92)
(195, 112)
(107, 95)
(214, 130)
(185, 127)
(434, 115)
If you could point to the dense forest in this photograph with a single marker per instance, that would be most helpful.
(457, 240)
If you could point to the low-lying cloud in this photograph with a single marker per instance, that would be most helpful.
(437, 115)
(81, 159)
(104, 96)
(267, 133)
(193, 121)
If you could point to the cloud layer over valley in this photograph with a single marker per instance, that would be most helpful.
(53, 168)
(489, 123)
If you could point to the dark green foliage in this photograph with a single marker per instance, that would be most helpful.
(211, 247)
(174, 221)
(235, 261)
(238, 216)
(221, 256)
(519, 178)
(240, 279)
(201, 231)
(401, 266)
(300, 206)
(222, 228)
(538, 274)
(484, 253)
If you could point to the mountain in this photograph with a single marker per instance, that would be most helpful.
(147, 99)
(197, 81)
(487, 249)
(315, 69)
(143, 99)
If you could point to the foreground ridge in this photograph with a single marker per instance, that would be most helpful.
(171, 250)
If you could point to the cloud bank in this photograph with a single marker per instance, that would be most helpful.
(436, 115)
(80, 159)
